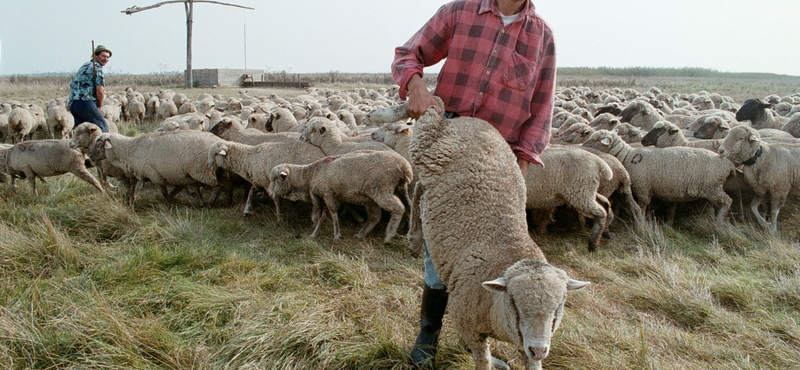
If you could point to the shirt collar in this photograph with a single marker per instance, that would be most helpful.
(488, 6)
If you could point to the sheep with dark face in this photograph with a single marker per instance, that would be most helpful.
(666, 134)
(640, 114)
(760, 115)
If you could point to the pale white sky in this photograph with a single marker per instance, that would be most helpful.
(38, 36)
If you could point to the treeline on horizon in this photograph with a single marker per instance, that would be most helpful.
(177, 78)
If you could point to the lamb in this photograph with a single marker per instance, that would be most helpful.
(665, 134)
(374, 179)
(499, 282)
(232, 129)
(758, 113)
(770, 170)
(172, 158)
(254, 162)
(553, 185)
(676, 174)
(44, 158)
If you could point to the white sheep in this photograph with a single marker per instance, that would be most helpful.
(770, 170)
(472, 216)
(254, 162)
(675, 174)
(44, 158)
(374, 179)
(166, 109)
(665, 134)
(327, 135)
(136, 111)
(21, 124)
(59, 120)
(571, 176)
(177, 158)
(231, 129)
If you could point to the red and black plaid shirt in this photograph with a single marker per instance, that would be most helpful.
(503, 75)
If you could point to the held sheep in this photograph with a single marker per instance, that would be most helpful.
(770, 170)
(44, 158)
(374, 179)
(472, 215)
(675, 174)
(254, 162)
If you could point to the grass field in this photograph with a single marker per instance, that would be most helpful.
(87, 282)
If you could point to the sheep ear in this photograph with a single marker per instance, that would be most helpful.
(284, 174)
(605, 141)
(322, 129)
(573, 284)
(496, 285)
(222, 152)
(673, 131)
(753, 139)
(107, 145)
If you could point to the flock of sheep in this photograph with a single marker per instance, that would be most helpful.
(336, 149)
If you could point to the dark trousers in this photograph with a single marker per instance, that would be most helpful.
(87, 111)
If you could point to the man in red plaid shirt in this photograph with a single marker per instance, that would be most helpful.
(501, 67)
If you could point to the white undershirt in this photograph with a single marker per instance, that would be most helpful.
(508, 18)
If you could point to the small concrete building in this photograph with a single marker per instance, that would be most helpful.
(224, 77)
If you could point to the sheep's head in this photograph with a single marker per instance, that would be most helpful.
(83, 135)
(218, 155)
(751, 109)
(714, 127)
(740, 145)
(532, 294)
(279, 181)
(221, 126)
(660, 129)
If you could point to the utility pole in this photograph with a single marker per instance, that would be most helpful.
(189, 7)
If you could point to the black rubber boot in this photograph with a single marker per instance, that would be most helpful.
(434, 303)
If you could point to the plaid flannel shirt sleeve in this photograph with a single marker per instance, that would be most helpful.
(535, 134)
(425, 48)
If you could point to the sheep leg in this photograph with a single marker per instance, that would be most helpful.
(480, 352)
(132, 190)
(32, 179)
(277, 201)
(84, 175)
(333, 206)
(393, 205)
(317, 211)
(757, 199)
(214, 195)
(248, 205)
(776, 202)
(599, 214)
(373, 217)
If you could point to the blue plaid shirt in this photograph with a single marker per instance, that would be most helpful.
(81, 87)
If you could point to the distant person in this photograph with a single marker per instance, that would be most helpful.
(87, 91)
(500, 66)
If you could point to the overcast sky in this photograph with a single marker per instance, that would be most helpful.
(38, 36)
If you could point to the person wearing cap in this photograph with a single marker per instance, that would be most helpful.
(499, 66)
(87, 91)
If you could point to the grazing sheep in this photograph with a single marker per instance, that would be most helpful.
(177, 158)
(59, 121)
(374, 179)
(44, 158)
(136, 111)
(675, 174)
(472, 216)
(770, 170)
(20, 124)
(758, 112)
(570, 176)
(166, 109)
(254, 162)
(151, 107)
